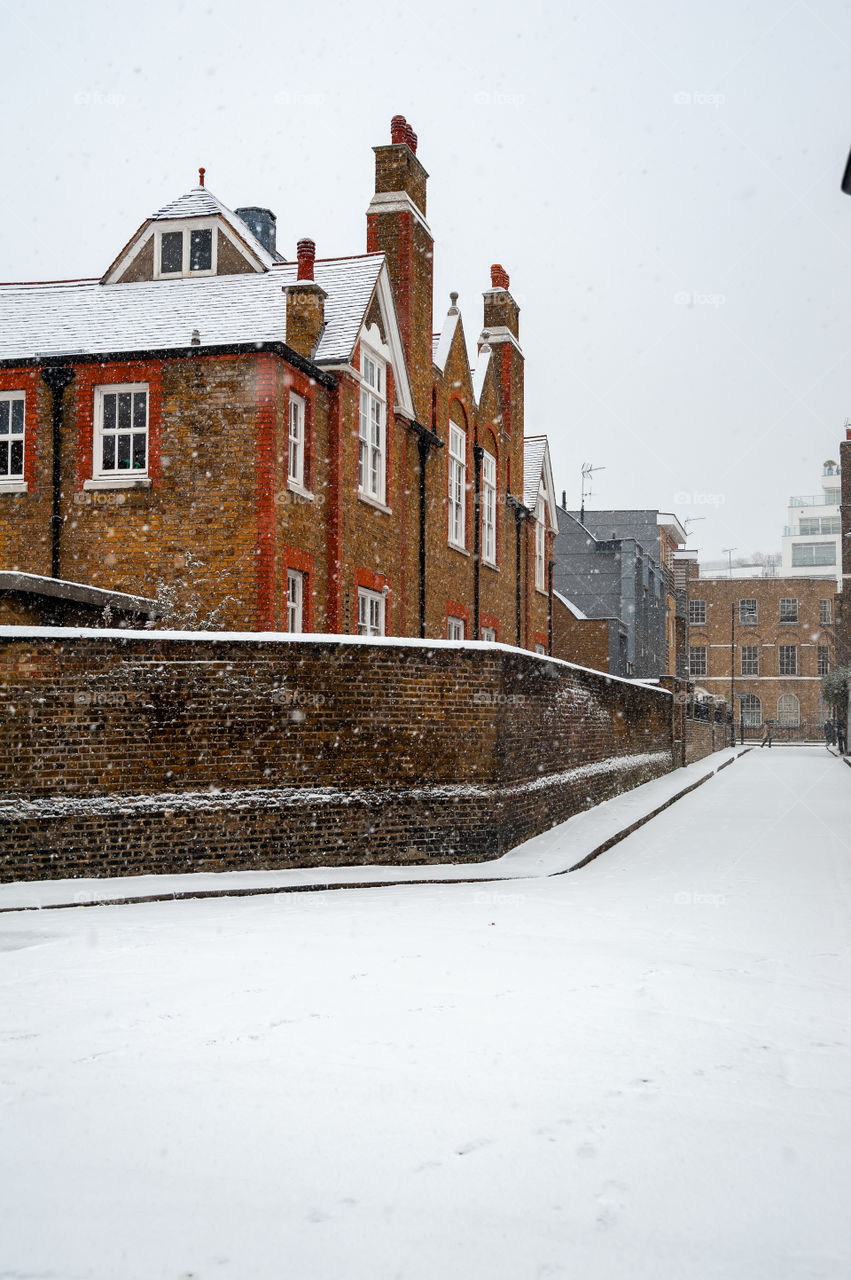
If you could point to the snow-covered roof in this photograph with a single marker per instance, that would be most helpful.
(568, 604)
(85, 317)
(444, 342)
(201, 203)
(479, 370)
(538, 475)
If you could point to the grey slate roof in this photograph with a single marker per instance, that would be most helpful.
(534, 450)
(201, 203)
(84, 317)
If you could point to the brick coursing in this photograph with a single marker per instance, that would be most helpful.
(150, 753)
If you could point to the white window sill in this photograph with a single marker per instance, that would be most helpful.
(14, 486)
(294, 487)
(542, 591)
(489, 564)
(118, 482)
(462, 551)
(373, 502)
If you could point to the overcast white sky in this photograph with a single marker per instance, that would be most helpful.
(661, 180)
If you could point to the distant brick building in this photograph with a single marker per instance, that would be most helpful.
(781, 634)
(296, 427)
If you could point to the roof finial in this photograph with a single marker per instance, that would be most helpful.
(453, 298)
(201, 173)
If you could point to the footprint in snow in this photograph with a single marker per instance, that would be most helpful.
(473, 1146)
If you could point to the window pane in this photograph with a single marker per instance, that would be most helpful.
(109, 413)
(17, 417)
(4, 457)
(4, 417)
(17, 465)
(123, 452)
(139, 452)
(140, 416)
(171, 255)
(201, 250)
(124, 404)
(108, 453)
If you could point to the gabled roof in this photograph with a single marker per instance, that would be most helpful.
(480, 369)
(443, 345)
(537, 470)
(198, 203)
(85, 317)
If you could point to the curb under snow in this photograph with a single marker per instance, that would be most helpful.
(564, 848)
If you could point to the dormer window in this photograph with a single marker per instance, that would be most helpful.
(187, 249)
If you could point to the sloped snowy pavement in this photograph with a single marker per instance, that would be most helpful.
(641, 1070)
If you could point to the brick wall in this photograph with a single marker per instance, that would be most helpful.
(703, 738)
(136, 752)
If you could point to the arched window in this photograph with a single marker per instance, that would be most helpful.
(751, 711)
(788, 711)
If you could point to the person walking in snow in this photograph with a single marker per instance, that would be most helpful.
(766, 734)
(841, 737)
(828, 734)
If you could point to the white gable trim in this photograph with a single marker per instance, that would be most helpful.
(384, 294)
(501, 333)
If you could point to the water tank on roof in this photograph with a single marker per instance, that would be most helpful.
(262, 222)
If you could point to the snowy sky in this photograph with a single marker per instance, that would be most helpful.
(660, 180)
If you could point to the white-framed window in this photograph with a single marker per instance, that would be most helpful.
(748, 613)
(825, 612)
(788, 609)
(813, 553)
(12, 416)
(697, 613)
(121, 430)
(295, 600)
(788, 711)
(187, 248)
(488, 633)
(697, 660)
(540, 545)
(370, 612)
(823, 659)
(540, 648)
(751, 711)
(750, 659)
(295, 462)
(488, 508)
(788, 659)
(454, 628)
(372, 462)
(457, 485)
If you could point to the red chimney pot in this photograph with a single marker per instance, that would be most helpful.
(499, 277)
(411, 138)
(306, 252)
(201, 173)
(398, 129)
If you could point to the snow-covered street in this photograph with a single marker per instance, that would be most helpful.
(641, 1069)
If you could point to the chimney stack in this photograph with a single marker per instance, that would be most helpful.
(501, 311)
(397, 227)
(305, 304)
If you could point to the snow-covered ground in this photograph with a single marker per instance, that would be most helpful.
(639, 1070)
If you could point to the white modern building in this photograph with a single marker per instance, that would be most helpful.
(812, 537)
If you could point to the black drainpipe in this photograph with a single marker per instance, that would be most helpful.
(426, 440)
(57, 378)
(520, 514)
(478, 454)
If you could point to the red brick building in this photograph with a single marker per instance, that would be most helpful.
(295, 426)
(781, 635)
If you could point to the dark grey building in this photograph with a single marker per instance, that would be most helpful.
(619, 564)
